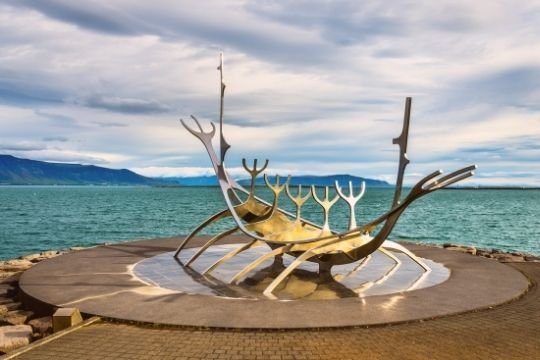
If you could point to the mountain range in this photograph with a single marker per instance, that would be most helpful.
(324, 180)
(17, 171)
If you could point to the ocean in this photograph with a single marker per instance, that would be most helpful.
(37, 218)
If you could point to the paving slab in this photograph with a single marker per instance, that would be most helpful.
(509, 331)
(98, 281)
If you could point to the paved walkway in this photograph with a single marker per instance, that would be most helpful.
(510, 331)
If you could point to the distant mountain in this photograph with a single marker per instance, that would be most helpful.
(16, 171)
(327, 180)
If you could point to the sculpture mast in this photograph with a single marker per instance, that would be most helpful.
(224, 146)
(403, 159)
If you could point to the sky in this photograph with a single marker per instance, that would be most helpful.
(317, 87)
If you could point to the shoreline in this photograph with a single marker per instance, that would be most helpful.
(15, 317)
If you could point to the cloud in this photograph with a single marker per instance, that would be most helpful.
(316, 86)
(20, 91)
(66, 157)
(105, 124)
(126, 105)
(57, 118)
(55, 139)
(515, 86)
(340, 22)
(22, 146)
(190, 22)
(98, 17)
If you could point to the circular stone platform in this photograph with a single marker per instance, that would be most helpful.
(101, 281)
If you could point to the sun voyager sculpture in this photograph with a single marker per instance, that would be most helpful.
(285, 233)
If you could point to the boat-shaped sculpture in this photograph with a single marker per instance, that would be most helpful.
(288, 233)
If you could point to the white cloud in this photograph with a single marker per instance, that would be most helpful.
(314, 86)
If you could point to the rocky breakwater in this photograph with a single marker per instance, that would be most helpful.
(19, 326)
(495, 254)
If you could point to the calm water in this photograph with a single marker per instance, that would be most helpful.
(33, 219)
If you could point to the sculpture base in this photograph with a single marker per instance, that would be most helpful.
(100, 281)
(376, 275)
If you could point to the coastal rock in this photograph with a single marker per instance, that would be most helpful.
(482, 252)
(5, 308)
(17, 317)
(77, 248)
(7, 291)
(532, 258)
(5, 300)
(455, 248)
(505, 257)
(15, 265)
(50, 254)
(42, 325)
(9, 278)
(32, 257)
(44, 255)
(464, 249)
(14, 337)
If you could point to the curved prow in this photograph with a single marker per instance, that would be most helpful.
(428, 184)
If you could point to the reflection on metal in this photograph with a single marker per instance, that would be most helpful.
(370, 276)
(360, 265)
(286, 233)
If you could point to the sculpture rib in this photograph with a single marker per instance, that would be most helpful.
(397, 264)
(362, 263)
(211, 219)
(231, 254)
(254, 264)
(211, 242)
(387, 244)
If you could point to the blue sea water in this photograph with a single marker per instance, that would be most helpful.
(37, 218)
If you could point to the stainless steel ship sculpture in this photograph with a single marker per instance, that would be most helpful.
(287, 233)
